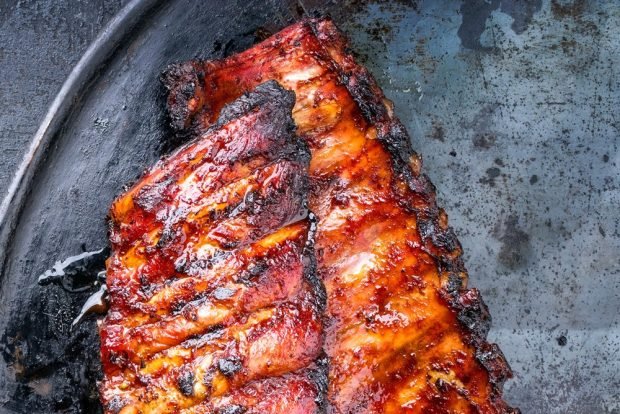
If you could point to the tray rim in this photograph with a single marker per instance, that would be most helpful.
(105, 44)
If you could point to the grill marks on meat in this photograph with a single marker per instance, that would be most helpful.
(405, 335)
(215, 304)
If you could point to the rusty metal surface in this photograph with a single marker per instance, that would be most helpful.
(513, 105)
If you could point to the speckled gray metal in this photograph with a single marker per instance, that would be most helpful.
(513, 105)
(515, 108)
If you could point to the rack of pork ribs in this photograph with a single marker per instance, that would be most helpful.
(291, 257)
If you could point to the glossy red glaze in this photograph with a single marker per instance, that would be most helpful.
(215, 306)
(404, 334)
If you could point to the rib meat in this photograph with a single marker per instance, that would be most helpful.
(215, 306)
(404, 333)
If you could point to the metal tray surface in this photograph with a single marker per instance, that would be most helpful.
(513, 106)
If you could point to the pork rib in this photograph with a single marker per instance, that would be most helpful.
(215, 303)
(404, 333)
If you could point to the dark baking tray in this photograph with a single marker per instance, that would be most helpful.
(524, 162)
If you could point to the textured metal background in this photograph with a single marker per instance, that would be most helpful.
(514, 106)
(40, 42)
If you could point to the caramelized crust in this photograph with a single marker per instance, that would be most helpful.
(404, 333)
(215, 304)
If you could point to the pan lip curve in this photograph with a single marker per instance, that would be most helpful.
(104, 45)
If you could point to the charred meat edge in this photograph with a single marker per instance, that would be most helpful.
(183, 82)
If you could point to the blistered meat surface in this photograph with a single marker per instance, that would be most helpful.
(215, 306)
(404, 333)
